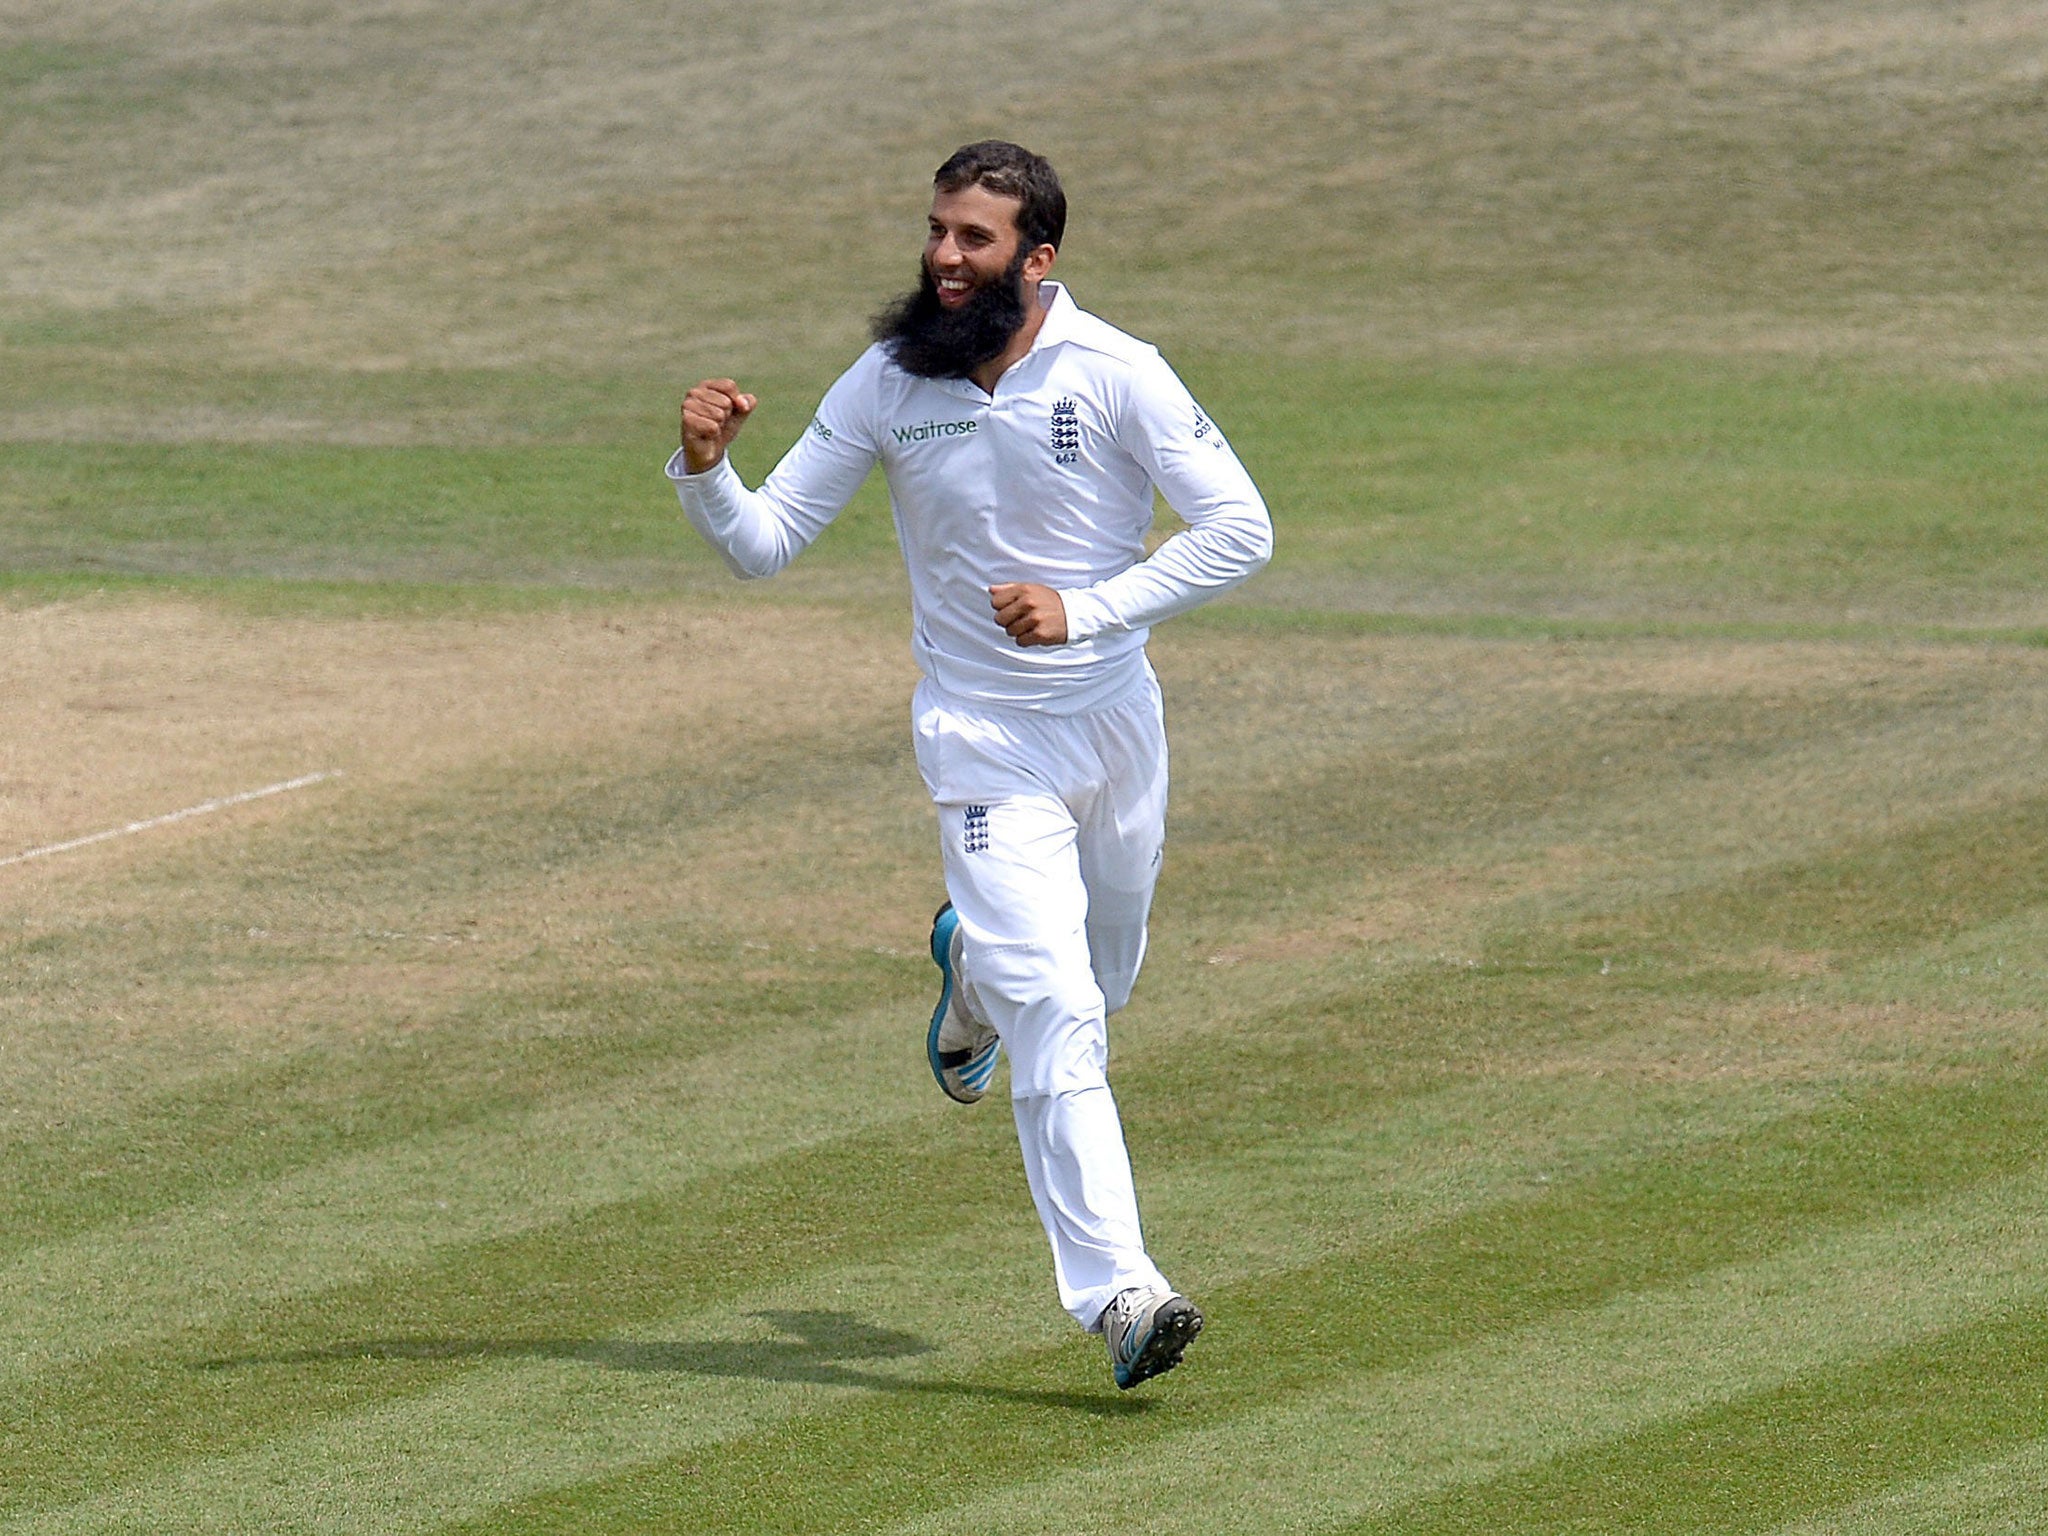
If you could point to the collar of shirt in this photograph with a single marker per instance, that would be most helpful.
(1060, 310)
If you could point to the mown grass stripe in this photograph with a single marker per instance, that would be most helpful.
(200, 1391)
(1384, 1440)
(255, 1127)
(296, 509)
(526, 1414)
(353, 1217)
(540, 1412)
(1647, 1223)
(1503, 1268)
(547, 1150)
(527, 1107)
(1994, 1496)
(1923, 884)
(1810, 1445)
(767, 1220)
(487, 1059)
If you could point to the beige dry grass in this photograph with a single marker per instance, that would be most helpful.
(257, 929)
(116, 709)
(122, 708)
(405, 188)
(1782, 1042)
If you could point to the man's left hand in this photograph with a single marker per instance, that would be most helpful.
(1030, 614)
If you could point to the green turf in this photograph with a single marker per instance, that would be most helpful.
(1621, 495)
(1363, 1312)
(1964, 1396)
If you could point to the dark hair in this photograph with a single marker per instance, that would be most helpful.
(1011, 170)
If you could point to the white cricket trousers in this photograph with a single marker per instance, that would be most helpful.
(1052, 829)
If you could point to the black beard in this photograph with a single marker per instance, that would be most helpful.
(933, 342)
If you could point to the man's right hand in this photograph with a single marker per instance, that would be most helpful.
(713, 414)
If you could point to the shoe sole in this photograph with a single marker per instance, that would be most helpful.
(942, 957)
(1174, 1327)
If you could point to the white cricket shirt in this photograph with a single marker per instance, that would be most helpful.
(1048, 480)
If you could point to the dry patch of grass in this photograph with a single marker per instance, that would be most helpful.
(1451, 775)
(1793, 1040)
(118, 709)
(388, 188)
(517, 818)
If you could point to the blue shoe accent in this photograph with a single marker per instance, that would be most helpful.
(944, 923)
(961, 1049)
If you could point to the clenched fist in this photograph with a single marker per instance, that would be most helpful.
(1029, 613)
(713, 414)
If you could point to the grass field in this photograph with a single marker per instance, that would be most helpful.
(1590, 1068)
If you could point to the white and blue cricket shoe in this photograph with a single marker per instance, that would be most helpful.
(1146, 1332)
(961, 1049)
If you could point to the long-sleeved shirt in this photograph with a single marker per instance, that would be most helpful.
(1047, 480)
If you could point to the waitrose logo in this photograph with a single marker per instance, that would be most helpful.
(925, 431)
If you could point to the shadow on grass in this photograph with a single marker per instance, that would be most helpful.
(818, 1354)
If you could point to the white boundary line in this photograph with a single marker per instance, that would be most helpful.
(163, 821)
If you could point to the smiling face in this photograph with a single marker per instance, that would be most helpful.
(975, 309)
(973, 243)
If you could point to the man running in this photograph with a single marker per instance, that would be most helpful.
(1022, 439)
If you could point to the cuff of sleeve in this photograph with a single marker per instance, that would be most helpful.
(678, 469)
(1087, 615)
